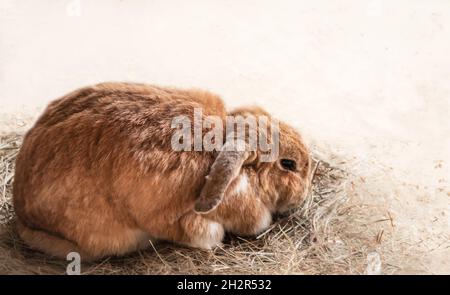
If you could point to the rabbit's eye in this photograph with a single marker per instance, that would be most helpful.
(288, 164)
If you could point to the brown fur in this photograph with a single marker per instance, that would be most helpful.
(97, 175)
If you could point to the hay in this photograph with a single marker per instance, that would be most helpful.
(329, 234)
(9, 146)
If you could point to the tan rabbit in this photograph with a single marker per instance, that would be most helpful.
(97, 174)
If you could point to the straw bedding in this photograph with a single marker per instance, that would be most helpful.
(330, 233)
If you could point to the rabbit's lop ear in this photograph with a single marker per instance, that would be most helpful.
(225, 168)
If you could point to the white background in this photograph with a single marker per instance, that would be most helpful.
(368, 80)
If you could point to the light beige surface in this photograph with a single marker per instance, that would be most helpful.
(368, 80)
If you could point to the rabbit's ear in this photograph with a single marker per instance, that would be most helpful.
(225, 168)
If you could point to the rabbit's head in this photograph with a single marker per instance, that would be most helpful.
(285, 181)
(278, 173)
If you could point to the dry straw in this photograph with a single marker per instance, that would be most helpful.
(328, 234)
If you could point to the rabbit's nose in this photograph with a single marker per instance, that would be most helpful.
(280, 215)
(283, 214)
